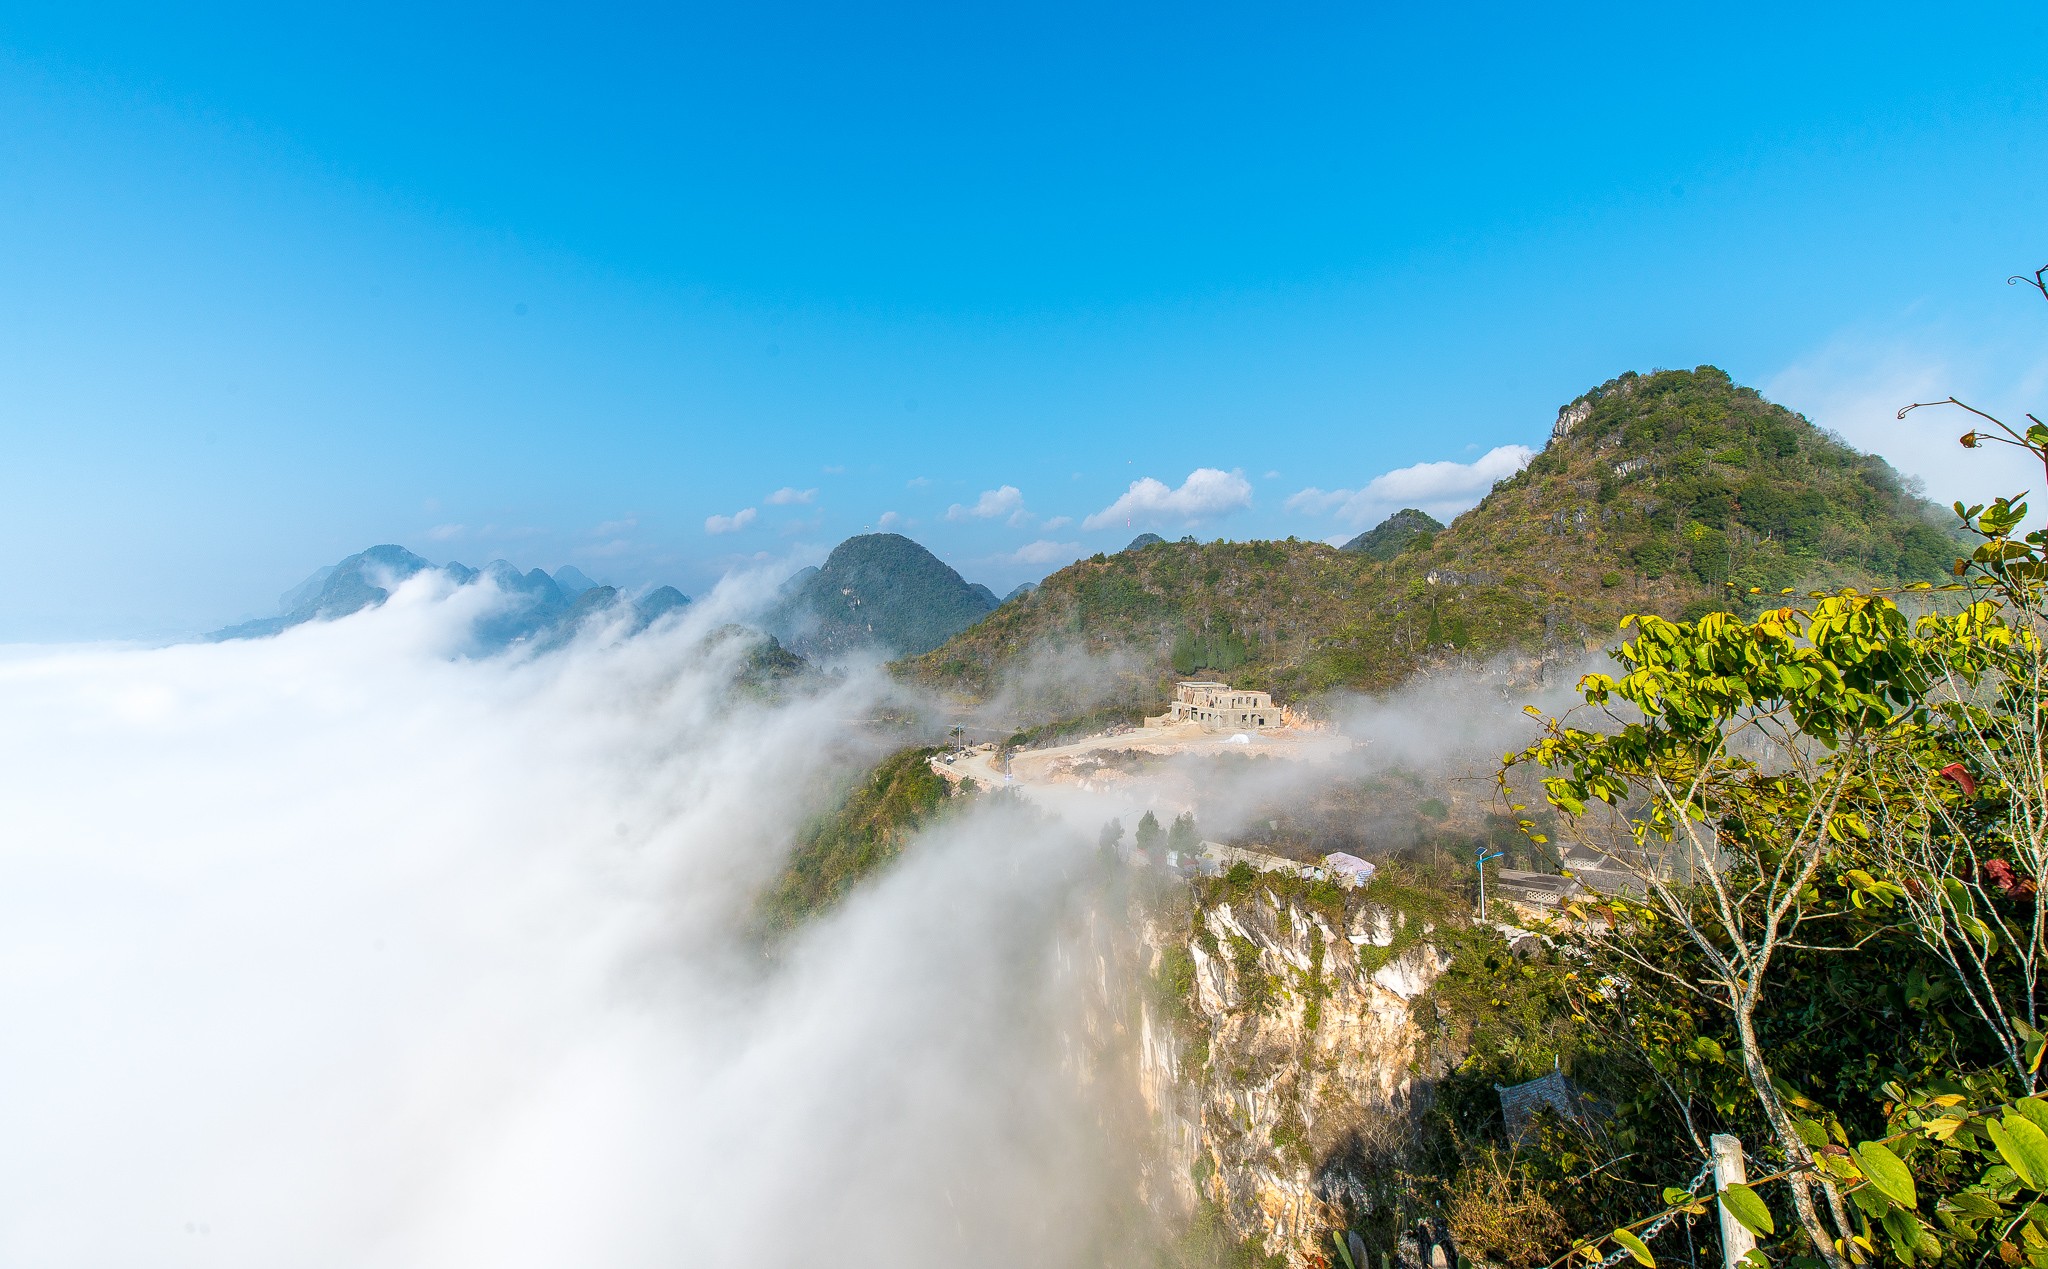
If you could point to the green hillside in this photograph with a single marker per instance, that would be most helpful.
(877, 590)
(1395, 534)
(1656, 493)
(878, 815)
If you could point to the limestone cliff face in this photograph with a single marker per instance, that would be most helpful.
(1277, 1052)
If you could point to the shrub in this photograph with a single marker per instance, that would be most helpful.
(1501, 1215)
(1610, 579)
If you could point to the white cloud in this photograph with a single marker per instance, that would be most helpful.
(612, 528)
(1006, 501)
(1206, 494)
(889, 520)
(917, 482)
(1045, 551)
(1317, 502)
(1057, 523)
(446, 532)
(733, 523)
(1443, 489)
(788, 497)
(431, 960)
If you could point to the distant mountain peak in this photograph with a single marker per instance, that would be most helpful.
(1394, 534)
(574, 581)
(877, 590)
(540, 605)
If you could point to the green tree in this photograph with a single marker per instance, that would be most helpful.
(1723, 846)
(1148, 832)
(1182, 837)
(1821, 783)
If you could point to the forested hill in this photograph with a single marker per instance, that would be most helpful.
(877, 590)
(1654, 494)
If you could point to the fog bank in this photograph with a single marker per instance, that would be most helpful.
(338, 948)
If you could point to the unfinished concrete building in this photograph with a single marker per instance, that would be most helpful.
(1218, 707)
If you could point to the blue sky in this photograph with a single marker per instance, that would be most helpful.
(583, 287)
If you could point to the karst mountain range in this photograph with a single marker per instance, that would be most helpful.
(1675, 492)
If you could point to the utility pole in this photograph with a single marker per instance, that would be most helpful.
(1480, 865)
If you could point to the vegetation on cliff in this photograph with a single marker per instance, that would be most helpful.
(878, 814)
(1838, 819)
(1835, 817)
(1672, 493)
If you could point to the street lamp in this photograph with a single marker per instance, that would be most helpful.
(1480, 864)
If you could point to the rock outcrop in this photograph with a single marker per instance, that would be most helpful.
(1278, 1055)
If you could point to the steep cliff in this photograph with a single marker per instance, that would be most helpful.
(1278, 1052)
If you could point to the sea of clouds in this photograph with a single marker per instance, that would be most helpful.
(345, 948)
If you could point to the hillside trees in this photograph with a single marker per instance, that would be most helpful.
(1672, 485)
(1735, 776)
(1832, 783)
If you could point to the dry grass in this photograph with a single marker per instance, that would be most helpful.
(1503, 1217)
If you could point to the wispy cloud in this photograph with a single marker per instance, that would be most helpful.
(890, 520)
(1206, 494)
(917, 482)
(446, 532)
(1057, 523)
(789, 497)
(1855, 383)
(1045, 551)
(733, 523)
(1443, 489)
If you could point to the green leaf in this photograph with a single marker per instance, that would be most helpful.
(2027, 1135)
(2035, 1109)
(1636, 1247)
(1888, 1173)
(1343, 1252)
(1904, 1232)
(1972, 1203)
(1743, 1204)
(2028, 1161)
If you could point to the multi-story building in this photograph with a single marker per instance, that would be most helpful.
(1218, 707)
